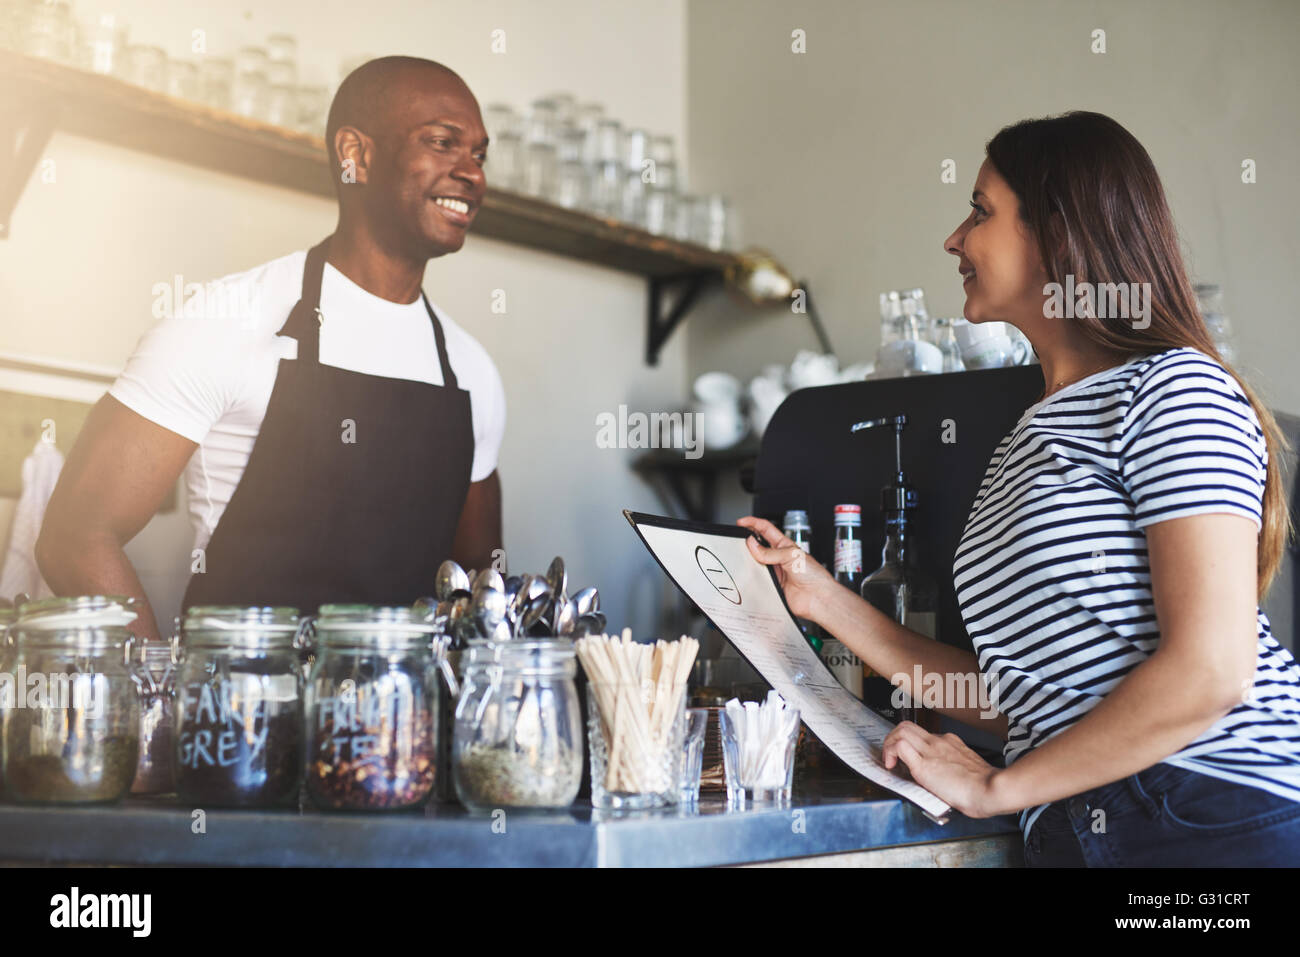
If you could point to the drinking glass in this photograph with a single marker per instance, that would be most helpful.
(500, 119)
(697, 723)
(282, 52)
(505, 162)
(146, 66)
(251, 91)
(773, 786)
(216, 81)
(312, 101)
(539, 170)
(106, 45)
(632, 768)
(51, 31)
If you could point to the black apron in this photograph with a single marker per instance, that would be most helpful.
(354, 487)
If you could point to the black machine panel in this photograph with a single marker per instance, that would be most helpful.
(810, 460)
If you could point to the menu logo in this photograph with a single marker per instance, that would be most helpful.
(103, 910)
(717, 574)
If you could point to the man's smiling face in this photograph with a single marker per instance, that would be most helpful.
(425, 178)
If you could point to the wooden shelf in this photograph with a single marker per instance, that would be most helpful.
(41, 95)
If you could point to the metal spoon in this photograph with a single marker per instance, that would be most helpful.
(565, 618)
(450, 577)
(534, 614)
(586, 625)
(588, 600)
(556, 576)
(489, 609)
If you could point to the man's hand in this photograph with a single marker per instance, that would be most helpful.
(117, 474)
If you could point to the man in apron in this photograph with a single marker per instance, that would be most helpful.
(361, 477)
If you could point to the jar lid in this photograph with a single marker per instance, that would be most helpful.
(77, 612)
(343, 616)
(233, 623)
(521, 652)
(349, 623)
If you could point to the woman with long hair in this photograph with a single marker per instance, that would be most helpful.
(1110, 571)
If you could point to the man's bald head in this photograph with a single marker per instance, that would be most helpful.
(409, 136)
(371, 98)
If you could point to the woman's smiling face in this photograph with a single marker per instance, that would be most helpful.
(997, 256)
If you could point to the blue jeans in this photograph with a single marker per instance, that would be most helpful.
(1166, 816)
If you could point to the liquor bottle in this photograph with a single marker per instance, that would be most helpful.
(799, 530)
(900, 587)
(839, 658)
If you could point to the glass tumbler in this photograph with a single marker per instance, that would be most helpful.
(146, 66)
(635, 761)
(768, 780)
(216, 81)
(697, 723)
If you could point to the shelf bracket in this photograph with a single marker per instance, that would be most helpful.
(24, 135)
(662, 319)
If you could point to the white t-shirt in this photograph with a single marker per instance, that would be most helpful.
(206, 370)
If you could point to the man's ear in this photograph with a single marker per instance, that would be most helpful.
(354, 150)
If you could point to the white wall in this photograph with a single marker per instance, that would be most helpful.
(833, 156)
(76, 274)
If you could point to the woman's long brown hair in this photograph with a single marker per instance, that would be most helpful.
(1091, 195)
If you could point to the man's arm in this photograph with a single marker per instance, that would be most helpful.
(478, 533)
(116, 476)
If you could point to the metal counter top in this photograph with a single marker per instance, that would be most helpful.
(142, 832)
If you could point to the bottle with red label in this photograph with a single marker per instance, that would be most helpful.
(839, 658)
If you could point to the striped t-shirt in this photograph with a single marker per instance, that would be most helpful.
(1052, 573)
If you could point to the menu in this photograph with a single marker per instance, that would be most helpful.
(712, 565)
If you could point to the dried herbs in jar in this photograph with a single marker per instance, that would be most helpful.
(372, 709)
(239, 739)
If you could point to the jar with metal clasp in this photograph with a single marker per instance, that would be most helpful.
(156, 666)
(518, 740)
(372, 707)
(69, 714)
(239, 724)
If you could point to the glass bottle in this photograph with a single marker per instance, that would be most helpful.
(899, 587)
(239, 732)
(797, 528)
(839, 658)
(69, 715)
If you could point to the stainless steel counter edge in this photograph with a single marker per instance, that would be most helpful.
(445, 836)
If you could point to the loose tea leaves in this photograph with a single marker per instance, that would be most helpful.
(248, 755)
(97, 771)
(503, 776)
(388, 765)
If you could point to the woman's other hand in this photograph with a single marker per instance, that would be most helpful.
(801, 578)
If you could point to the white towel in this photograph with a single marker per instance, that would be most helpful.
(40, 474)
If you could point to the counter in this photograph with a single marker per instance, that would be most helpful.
(866, 828)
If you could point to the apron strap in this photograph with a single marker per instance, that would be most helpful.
(303, 323)
(448, 376)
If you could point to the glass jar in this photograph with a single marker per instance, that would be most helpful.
(239, 730)
(69, 716)
(372, 708)
(518, 740)
(156, 682)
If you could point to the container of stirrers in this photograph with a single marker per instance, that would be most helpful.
(636, 719)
